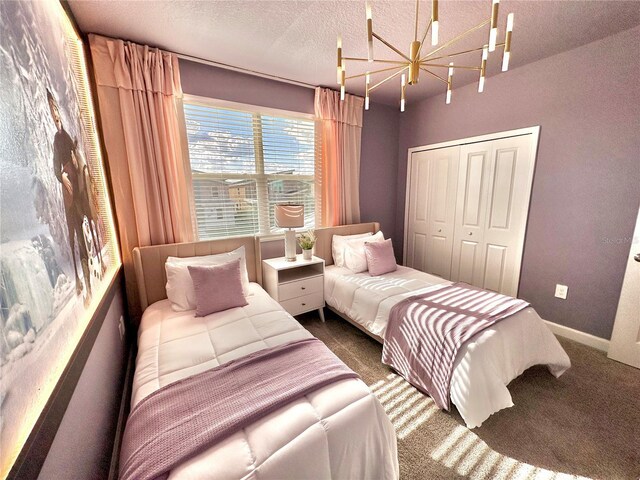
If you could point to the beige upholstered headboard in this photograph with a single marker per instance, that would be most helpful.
(324, 236)
(149, 263)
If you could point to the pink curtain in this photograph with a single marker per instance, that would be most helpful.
(140, 103)
(340, 166)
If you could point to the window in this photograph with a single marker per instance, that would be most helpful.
(243, 163)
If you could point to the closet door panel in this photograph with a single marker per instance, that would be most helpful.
(511, 172)
(442, 185)
(467, 261)
(430, 223)
(473, 177)
(475, 166)
(502, 189)
(495, 269)
(417, 226)
(419, 252)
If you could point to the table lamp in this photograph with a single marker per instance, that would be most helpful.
(289, 216)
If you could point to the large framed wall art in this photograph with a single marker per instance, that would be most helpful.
(58, 249)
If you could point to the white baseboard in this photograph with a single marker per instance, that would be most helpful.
(578, 336)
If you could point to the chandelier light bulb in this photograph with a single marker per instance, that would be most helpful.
(483, 68)
(434, 22)
(434, 33)
(366, 97)
(510, 22)
(505, 61)
(433, 61)
(369, 33)
(449, 82)
(343, 80)
(403, 85)
(507, 43)
(493, 33)
(339, 59)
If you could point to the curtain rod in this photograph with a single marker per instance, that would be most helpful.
(244, 70)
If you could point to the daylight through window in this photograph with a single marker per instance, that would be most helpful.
(243, 163)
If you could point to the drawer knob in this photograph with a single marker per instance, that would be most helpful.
(303, 288)
(303, 304)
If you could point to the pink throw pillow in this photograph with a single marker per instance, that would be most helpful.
(217, 287)
(380, 257)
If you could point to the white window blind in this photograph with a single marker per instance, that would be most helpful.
(243, 163)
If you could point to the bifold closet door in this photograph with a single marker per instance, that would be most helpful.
(494, 185)
(431, 210)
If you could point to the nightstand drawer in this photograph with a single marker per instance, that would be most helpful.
(303, 304)
(306, 286)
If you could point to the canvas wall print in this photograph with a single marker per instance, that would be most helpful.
(58, 250)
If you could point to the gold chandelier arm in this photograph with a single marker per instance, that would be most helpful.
(374, 71)
(424, 37)
(447, 66)
(434, 75)
(459, 37)
(358, 59)
(388, 78)
(391, 46)
(463, 52)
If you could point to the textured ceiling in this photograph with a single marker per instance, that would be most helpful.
(297, 39)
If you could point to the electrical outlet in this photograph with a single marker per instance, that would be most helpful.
(561, 291)
(121, 327)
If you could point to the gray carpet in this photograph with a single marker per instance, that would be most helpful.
(586, 424)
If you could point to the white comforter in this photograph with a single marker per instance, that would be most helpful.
(484, 366)
(340, 431)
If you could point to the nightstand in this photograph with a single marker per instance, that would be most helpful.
(297, 286)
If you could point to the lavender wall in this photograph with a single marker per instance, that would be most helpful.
(84, 441)
(587, 182)
(208, 81)
(379, 167)
(378, 161)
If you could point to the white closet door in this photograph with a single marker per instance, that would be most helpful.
(471, 208)
(430, 226)
(417, 222)
(510, 174)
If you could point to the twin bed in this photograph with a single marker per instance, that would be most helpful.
(312, 437)
(484, 366)
(339, 430)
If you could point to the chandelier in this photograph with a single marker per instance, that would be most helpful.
(409, 66)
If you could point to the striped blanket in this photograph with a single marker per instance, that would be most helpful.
(426, 331)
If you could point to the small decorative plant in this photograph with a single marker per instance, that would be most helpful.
(307, 240)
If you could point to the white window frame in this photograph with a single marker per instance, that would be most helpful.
(265, 232)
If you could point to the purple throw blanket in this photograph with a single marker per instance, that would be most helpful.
(186, 417)
(426, 331)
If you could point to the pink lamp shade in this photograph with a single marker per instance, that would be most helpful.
(289, 216)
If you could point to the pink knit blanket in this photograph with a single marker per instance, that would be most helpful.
(426, 331)
(186, 417)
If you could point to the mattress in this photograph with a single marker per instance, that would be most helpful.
(314, 435)
(484, 366)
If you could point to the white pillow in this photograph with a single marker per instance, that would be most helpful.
(354, 255)
(337, 246)
(180, 291)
